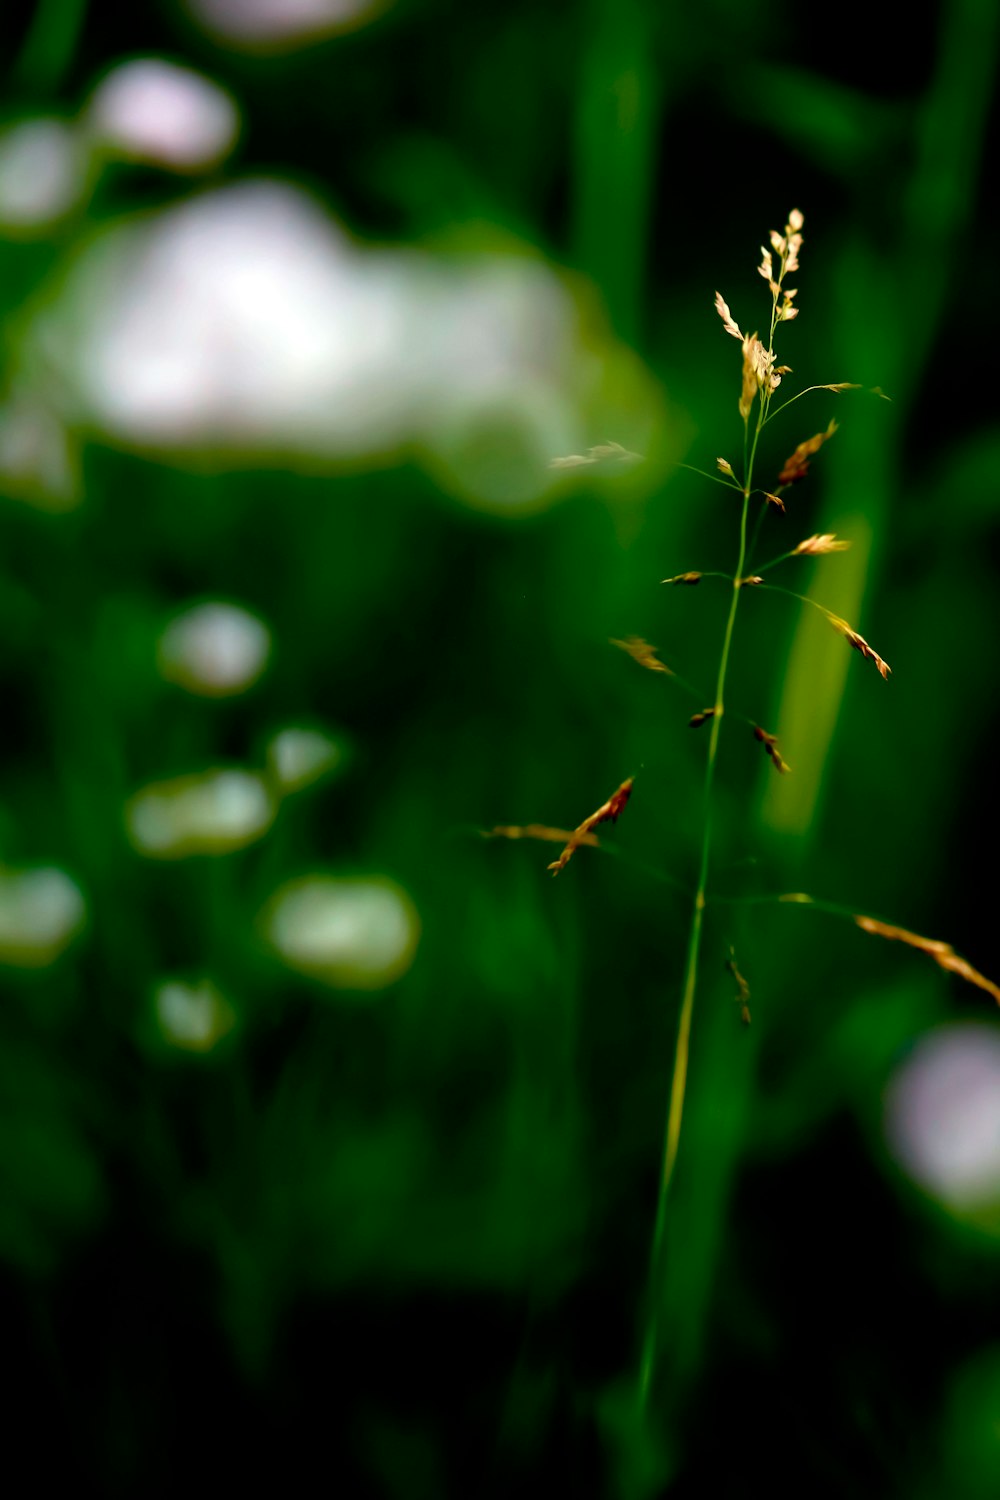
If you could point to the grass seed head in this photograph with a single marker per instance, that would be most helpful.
(608, 812)
(815, 546)
(942, 953)
(797, 465)
(858, 642)
(643, 653)
(722, 308)
(602, 453)
(770, 743)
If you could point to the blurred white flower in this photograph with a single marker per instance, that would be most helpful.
(41, 911)
(151, 110)
(192, 1016)
(942, 1116)
(213, 812)
(245, 320)
(216, 650)
(354, 933)
(279, 24)
(42, 173)
(298, 757)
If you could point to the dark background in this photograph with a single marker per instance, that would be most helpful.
(395, 1242)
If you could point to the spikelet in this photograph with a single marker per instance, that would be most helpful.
(697, 720)
(942, 953)
(688, 578)
(797, 466)
(793, 241)
(608, 812)
(601, 453)
(726, 467)
(643, 653)
(722, 308)
(770, 743)
(815, 546)
(751, 382)
(775, 500)
(858, 642)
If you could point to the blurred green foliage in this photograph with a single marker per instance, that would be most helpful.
(395, 1236)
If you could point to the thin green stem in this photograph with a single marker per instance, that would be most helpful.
(678, 1083)
(776, 588)
(755, 537)
(730, 484)
(765, 567)
(845, 385)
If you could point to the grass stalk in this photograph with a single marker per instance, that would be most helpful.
(678, 1082)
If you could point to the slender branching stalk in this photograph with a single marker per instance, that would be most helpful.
(760, 380)
(761, 377)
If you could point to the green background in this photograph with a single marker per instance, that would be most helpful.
(395, 1243)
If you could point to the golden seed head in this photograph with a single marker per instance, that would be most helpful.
(770, 743)
(596, 455)
(858, 642)
(756, 371)
(722, 308)
(815, 546)
(725, 466)
(942, 953)
(797, 466)
(608, 812)
(643, 653)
